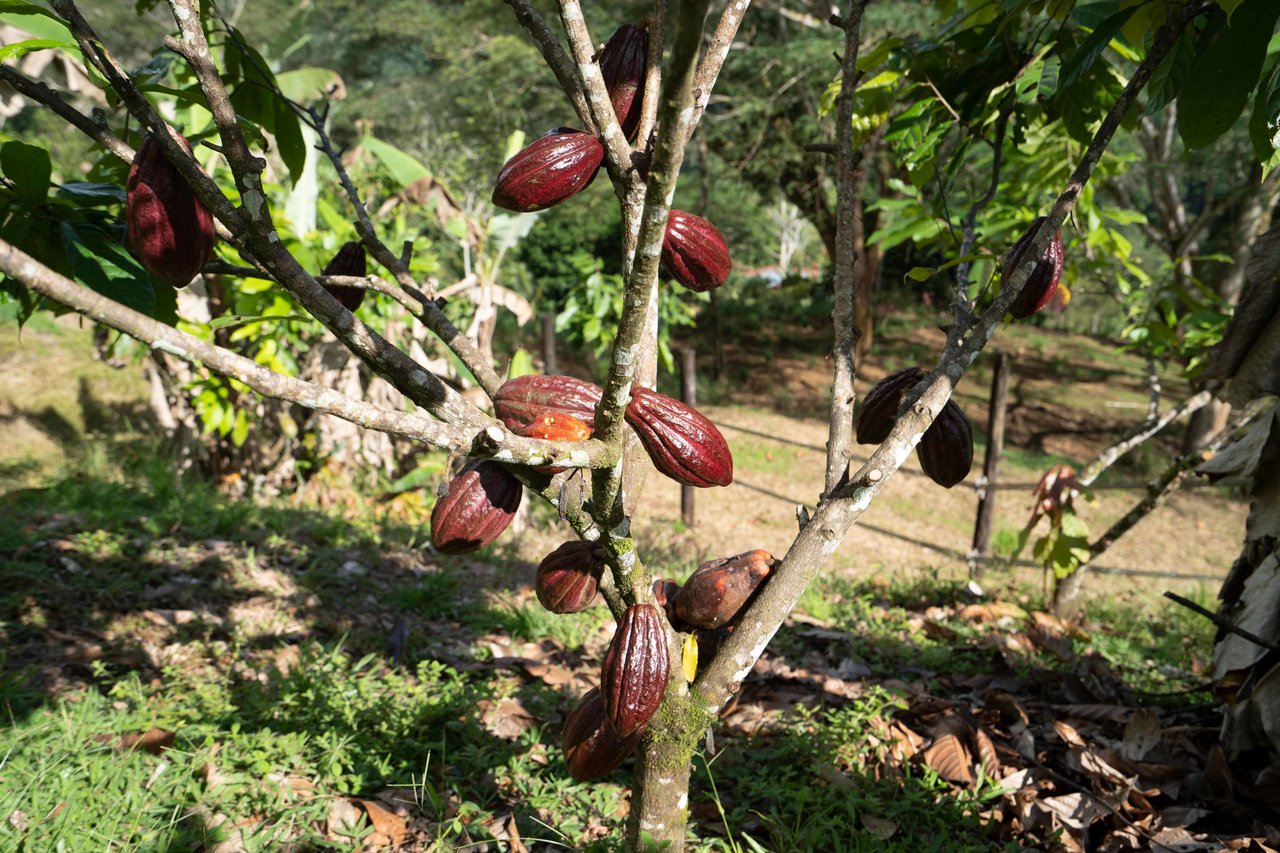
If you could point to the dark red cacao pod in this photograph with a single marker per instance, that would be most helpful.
(666, 593)
(695, 252)
(682, 443)
(622, 64)
(478, 505)
(170, 231)
(520, 402)
(569, 577)
(879, 410)
(552, 169)
(351, 261)
(715, 593)
(1044, 279)
(634, 674)
(591, 747)
(946, 448)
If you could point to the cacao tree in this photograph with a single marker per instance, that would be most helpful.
(673, 662)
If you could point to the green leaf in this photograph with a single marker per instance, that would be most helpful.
(404, 169)
(29, 168)
(103, 265)
(1226, 74)
(1264, 123)
(1172, 74)
(290, 143)
(22, 48)
(521, 364)
(91, 194)
(22, 7)
(307, 84)
(920, 273)
(1077, 64)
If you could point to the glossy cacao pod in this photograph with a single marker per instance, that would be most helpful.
(520, 402)
(635, 670)
(351, 261)
(569, 577)
(682, 443)
(170, 231)
(622, 64)
(555, 426)
(591, 747)
(477, 506)
(879, 410)
(1043, 281)
(552, 169)
(695, 253)
(946, 448)
(715, 593)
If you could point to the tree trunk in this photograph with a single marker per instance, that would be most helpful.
(660, 782)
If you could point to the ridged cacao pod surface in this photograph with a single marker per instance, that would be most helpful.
(680, 441)
(695, 253)
(622, 64)
(591, 747)
(351, 261)
(569, 577)
(520, 402)
(477, 506)
(552, 169)
(879, 410)
(946, 448)
(170, 231)
(1043, 282)
(715, 593)
(635, 670)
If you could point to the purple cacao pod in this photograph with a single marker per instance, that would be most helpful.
(946, 448)
(351, 261)
(682, 443)
(552, 169)
(520, 402)
(591, 747)
(879, 410)
(170, 231)
(633, 677)
(715, 593)
(622, 64)
(569, 577)
(694, 252)
(1042, 284)
(478, 505)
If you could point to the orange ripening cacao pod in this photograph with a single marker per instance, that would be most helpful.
(170, 231)
(591, 747)
(477, 506)
(555, 426)
(520, 402)
(694, 252)
(569, 577)
(552, 169)
(946, 449)
(682, 443)
(351, 261)
(634, 674)
(879, 410)
(1044, 279)
(715, 593)
(622, 64)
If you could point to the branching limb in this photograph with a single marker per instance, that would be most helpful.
(653, 73)
(1112, 454)
(714, 56)
(42, 94)
(616, 148)
(559, 62)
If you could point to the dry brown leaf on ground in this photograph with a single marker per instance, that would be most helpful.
(993, 611)
(1094, 712)
(879, 828)
(154, 741)
(343, 819)
(389, 828)
(1068, 733)
(1142, 734)
(949, 756)
(506, 718)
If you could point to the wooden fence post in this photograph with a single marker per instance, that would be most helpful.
(688, 395)
(996, 408)
(549, 365)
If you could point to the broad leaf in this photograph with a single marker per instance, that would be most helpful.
(29, 168)
(1077, 64)
(404, 168)
(103, 265)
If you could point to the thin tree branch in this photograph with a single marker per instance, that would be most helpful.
(652, 74)
(1112, 454)
(616, 148)
(963, 305)
(43, 94)
(714, 56)
(557, 60)
(1223, 622)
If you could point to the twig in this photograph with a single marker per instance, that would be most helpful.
(714, 56)
(557, 60)
(1223, 623)
(963, 305)
(652, 75)
(41, 93)
(616, 148)
(1112, 454)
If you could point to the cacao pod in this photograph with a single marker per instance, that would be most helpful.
(350, 260)
(170, 231)
(666, 593)
(1042, 284)
(879, 410)
(715, 593)
(555, 426)
(634, 674)
(591, 747)
(622, 64)
(695, 252)
(569, 577)
(682, 443)
(552, 169)
(521, 401)
(478, 505)
(946, 448)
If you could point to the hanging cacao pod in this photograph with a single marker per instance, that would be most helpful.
(555, 426)
(622, 64)
(946, 448)
(682, 443)
(634, 674)
(521, 401)
(715, 593)
(1042, 284)
(665, 594)
(695, 252)
(569, 577)
(591, 747)
(879, 410)
(555, 167)
(351, 261)
(478, 505)
(170, 231)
